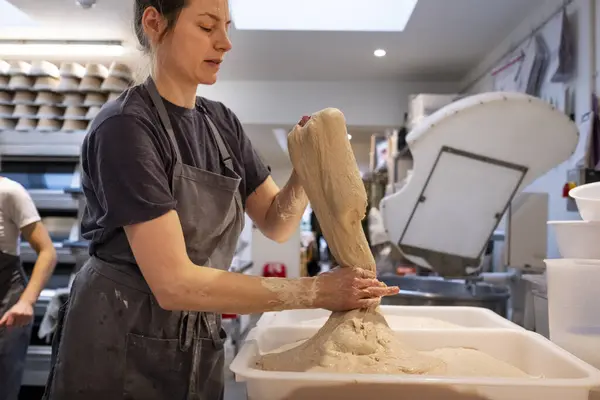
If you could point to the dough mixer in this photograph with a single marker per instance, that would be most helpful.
(470, 160)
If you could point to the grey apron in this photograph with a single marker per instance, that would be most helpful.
(13, 340)
(114, 341)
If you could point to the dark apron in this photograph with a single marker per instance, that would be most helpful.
(13, 340)
(114, 341)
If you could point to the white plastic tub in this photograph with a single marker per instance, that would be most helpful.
(587, 198)
(573, 314)
(401, 317)
(577, 239)
(565, 376)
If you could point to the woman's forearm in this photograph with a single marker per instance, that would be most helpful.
(212, 290)
(42, 270)
(285, 213)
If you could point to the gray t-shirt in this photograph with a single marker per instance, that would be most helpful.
(128, 162)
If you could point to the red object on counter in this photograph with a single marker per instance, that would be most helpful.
(402, 271)
(274, 270)
(567, 188)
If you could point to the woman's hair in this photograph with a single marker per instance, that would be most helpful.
(169, 9)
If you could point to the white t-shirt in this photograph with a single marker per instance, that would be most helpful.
(17, 210)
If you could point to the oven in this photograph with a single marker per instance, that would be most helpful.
(45, 178)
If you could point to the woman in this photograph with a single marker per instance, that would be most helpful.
(167, 178)
(18, 216)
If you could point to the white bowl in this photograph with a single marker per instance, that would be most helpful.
(577, 239)
(587, 198)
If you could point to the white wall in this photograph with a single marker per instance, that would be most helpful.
(246, 236)
(365, 104)
(582, 16)
(265, 250)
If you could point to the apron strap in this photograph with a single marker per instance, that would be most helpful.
(191, 325)
(225, 156)
(163, 115)
(166, 122)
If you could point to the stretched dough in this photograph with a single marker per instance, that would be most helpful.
(323, 159)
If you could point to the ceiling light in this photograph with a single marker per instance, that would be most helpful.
(349, 137)
(61, 48)
(322, 15)
(379, 53)
(86, 4)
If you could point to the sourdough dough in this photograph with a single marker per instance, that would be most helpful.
(354, 342)
(357, 346)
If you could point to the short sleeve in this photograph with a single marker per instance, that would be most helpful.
(23, 210)
(127, 168)
(255, 170)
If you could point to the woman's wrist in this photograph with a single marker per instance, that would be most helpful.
(295, 182)
(293, 293)
(309, 297)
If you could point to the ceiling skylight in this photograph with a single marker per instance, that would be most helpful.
(322, 15)
(11, 16)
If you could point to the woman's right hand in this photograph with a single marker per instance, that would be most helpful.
(346, 288)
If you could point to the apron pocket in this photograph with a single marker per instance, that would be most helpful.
(156, 369)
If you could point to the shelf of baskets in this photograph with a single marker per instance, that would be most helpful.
(44, 97)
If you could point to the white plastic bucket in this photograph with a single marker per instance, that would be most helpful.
(573, 312)
(587, 198)
(577, 239)
(565, 377)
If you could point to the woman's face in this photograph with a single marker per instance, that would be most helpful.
(196, 46)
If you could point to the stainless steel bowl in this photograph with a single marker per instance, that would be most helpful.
(427, 291)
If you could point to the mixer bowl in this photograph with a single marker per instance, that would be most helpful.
(428, 291)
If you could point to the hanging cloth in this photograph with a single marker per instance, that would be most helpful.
(566, 52)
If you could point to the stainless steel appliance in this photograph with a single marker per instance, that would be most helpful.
(431, 291)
